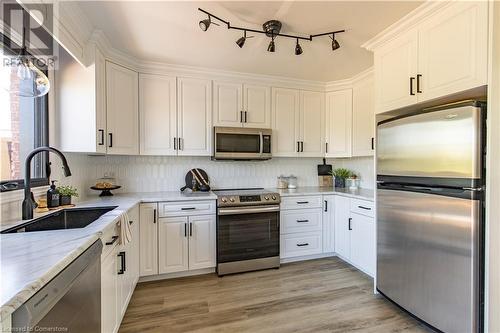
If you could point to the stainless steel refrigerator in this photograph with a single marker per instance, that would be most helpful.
(430, 188)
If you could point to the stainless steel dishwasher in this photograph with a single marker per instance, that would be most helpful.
(70, 302)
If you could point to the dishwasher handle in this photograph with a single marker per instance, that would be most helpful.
(33, 310)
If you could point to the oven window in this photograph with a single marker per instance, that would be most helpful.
(238, 143)
(248, 236)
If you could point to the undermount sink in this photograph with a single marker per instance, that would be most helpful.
(71, 218)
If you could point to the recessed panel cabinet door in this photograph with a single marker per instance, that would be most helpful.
(342, 227)
(122, 110)
(285, 122)
(312, 120)
(173, 244)
(395, 65)
(148, 231)
(158, 114)
(363, 251)
(328, 223)
(194, 114)
(257, 105)
(453, 50)
(109, 302)
(363, 118)
(228, 104)
(339, 123)
(202, 241)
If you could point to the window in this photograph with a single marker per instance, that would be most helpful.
(23, 127)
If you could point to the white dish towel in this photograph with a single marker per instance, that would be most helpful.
(125, 233)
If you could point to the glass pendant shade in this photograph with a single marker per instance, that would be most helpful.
(26, 79)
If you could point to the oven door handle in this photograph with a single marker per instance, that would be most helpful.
(248, 210)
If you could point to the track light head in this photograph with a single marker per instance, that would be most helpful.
(241, 41)
(205, 24)
(271, 47)
(335, 43)
(298, 48)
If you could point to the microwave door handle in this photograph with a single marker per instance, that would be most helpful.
(261, 143)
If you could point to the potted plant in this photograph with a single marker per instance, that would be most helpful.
(340, 175)
(65, 194)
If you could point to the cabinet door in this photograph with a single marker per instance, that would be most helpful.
(363, 252)
(342, 224)
(257, 105)
(133, 262)
(312, 119)
(228, 104)
(148, 231)
(202, 241)
(194, 102)
(122, 110)
(328, 223)
(285, 122)
(173, 236)
(363, 118)
(339, 123)
(395, 64)
(158, 114)
(123, 279)
(100, 100)
(109, 313)
(453, 50)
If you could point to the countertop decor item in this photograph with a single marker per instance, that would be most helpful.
(106, 185)
(325, 177)
(353, 182)
(65, 194)
(282, 182)
(292, 181)
(340, 175)
(105, 192)
(197, 179)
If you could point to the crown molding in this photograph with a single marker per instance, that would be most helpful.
(405, 23)
(349, 83)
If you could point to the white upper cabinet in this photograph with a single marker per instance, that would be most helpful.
(445, 53)
(241, 105)
(122, 112)
(395, 72)
(312, 118)
(257, 106)
(363, 117)
(453, 50)
(228, 104)
(194, 112)
(158, 114)
(338, 123)
(285, 121)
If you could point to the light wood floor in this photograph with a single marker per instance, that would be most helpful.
(324, 295)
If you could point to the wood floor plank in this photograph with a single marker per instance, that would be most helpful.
(324, 295)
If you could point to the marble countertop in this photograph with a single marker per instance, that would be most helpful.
(361, 193)
(29, 260)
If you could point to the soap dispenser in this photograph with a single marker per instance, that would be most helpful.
(53, 196)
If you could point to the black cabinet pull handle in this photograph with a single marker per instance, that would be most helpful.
(122, 262)
(418, 83)
(175, 143)
(190, 229)
(246, 117)
(298, 146)
(241, 116)
(301, 146)
(113, 240)
(302, 244)
(185, 229)
(302, 221)
(349, 224)
(326, 205)
(188, 208)
(130, 222)
(411, 86)
(101, 131)
(180, 143)
(373, 143)
(365, 208)
(326, 147)
(154, 215)
(302, 202)
(110, 140)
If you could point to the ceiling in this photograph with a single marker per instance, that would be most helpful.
(167, 31)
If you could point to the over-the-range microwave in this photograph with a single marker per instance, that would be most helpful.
(237, 143)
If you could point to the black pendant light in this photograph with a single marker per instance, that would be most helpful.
(271, 47)
(298, 48)
(335, 43)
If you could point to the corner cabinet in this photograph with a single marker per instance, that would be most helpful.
(338, 123)
(445, 53)
(122, 110)
(241, 105)
(297, 123)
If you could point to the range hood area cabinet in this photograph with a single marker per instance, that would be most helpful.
(175, 116)
(444, 54)
(298, 118)
(239, 104)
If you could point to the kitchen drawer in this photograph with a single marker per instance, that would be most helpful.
(304, 220)
(313, 201)
(186, 208)
(301, 244)
(110, 239)
(362, 207)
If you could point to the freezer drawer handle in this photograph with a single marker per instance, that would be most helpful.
(302, 221)
(365, 208)
(302, 244)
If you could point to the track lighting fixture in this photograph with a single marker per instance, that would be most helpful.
(298, 48)
(335, 43)
(271, 29)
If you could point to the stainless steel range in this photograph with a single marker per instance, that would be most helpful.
(248, 230)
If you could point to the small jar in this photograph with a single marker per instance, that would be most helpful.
(282, 182)
(292, 181)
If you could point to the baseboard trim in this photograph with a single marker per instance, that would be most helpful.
(309, 257)
(176, 275)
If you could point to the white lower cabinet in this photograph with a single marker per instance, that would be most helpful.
(301, 244)
(109, 290)
(148, 253)
(328, 223)
(202, 249)
(363, 252)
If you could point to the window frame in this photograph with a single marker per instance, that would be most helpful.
(41, 135)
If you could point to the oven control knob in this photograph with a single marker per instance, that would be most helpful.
(266, 198)
(223, 200)
(273, 197)
(231, 199)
